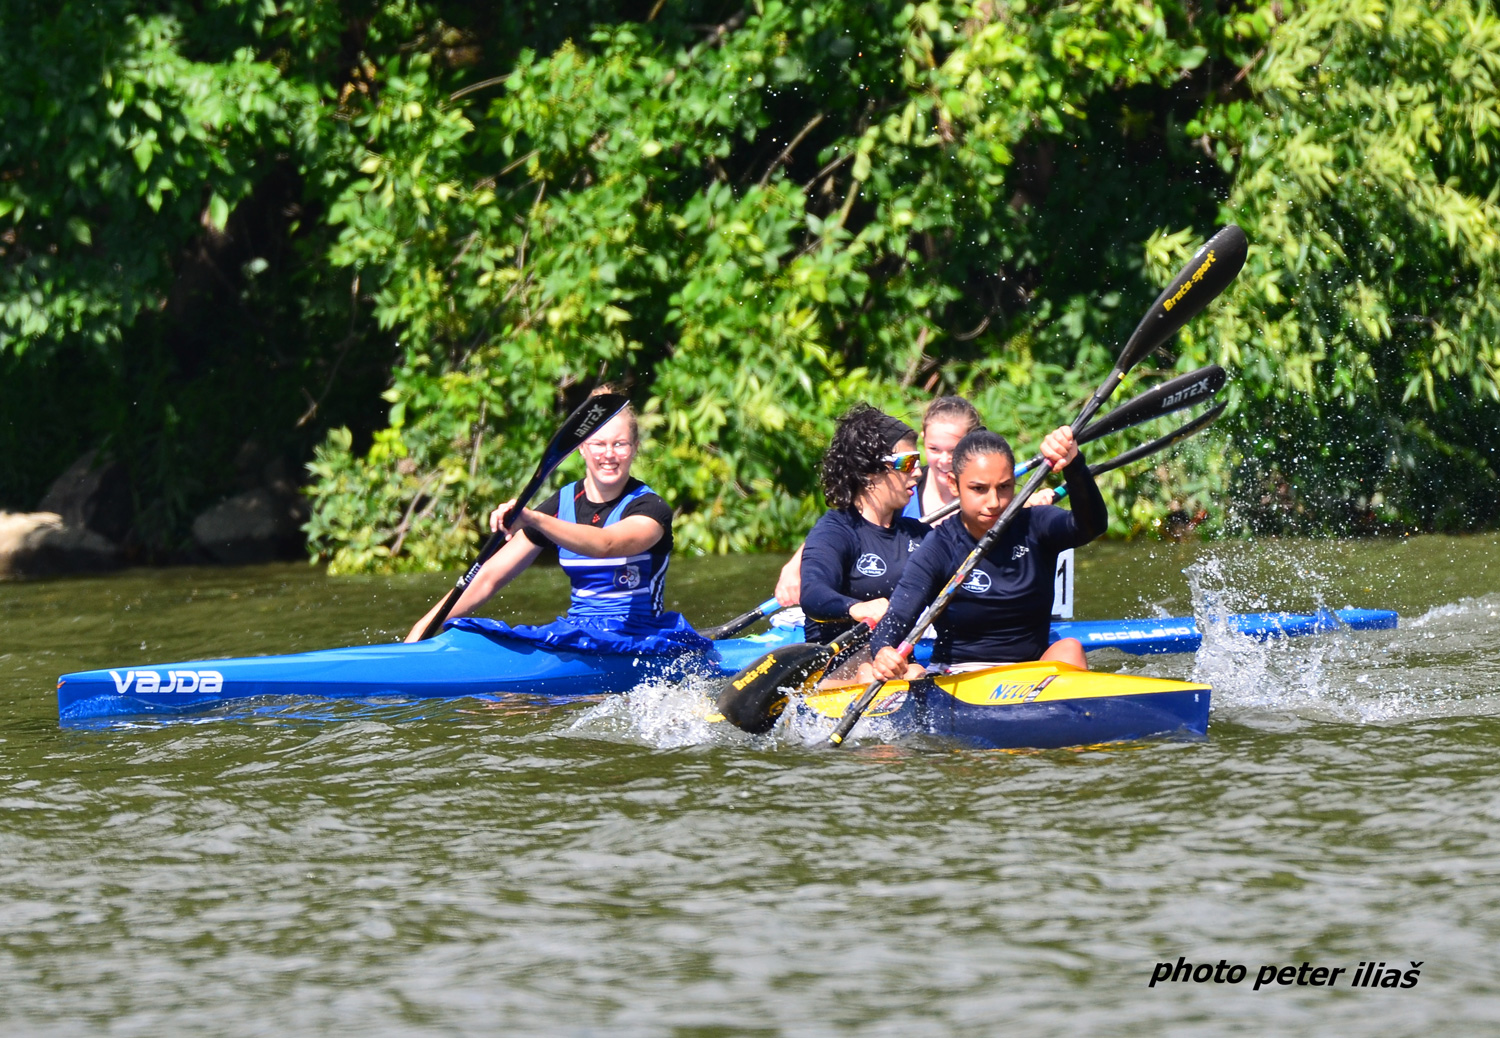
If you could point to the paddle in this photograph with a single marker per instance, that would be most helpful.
(1156, 402)
(1205, 276)
(729, 628)
(576, 428)
(1172, 395)
(1160, 443)
(755, 697)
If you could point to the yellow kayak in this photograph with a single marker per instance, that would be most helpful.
(1041, 705)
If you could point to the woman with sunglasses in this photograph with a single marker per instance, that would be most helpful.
(856, 552)
(613, 538)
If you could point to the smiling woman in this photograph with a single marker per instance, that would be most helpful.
(613, 537)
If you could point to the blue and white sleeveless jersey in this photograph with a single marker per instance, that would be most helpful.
(619, 587)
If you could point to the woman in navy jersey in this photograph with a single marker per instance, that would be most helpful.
(1002, 611)
(613, 537)
(947, 420)
(856, 552)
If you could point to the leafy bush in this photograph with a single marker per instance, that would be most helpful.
(238, 221)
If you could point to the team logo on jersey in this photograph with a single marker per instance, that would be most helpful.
(911, 545)
(870, 565)
(1019, 550)
(978, 582)
(629, 577)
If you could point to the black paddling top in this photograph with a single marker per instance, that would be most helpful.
(1002, 612)
(848, 559)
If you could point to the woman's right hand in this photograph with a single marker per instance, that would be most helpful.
(499, 514)
(888, 664)
(870, 612)
(497, 517)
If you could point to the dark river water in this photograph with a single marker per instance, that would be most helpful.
(620, 867)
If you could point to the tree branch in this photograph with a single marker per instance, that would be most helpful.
(786, 152)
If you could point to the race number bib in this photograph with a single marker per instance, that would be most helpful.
(1062, 587)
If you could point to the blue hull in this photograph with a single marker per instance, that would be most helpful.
(470, 663)
(1086, 722)
(1032, 705)
(1181, 634)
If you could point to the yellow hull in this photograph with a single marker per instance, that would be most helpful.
(1029, 704)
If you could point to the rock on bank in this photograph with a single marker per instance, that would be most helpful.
(36, 544)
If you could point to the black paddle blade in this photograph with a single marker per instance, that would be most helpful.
(1161, 443)
(754, 698)
(1207, 274)
(1172, 395)
(580, 425)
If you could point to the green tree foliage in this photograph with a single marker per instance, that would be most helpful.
(757, 225)
(163, 288)
(1367, 324)
(753, 213)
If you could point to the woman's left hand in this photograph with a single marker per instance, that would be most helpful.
(1059, 448)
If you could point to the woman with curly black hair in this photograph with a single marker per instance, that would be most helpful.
(856, 552)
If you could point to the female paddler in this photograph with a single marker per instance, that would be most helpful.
(858, 549)
(947, 420)
(1002, 612)
(613, 537)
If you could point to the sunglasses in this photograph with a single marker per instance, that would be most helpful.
(905, 463)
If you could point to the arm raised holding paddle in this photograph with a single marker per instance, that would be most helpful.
(1001, 613)
(613, 537)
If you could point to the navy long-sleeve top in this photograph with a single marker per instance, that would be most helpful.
(1002, 611)
(848, 559)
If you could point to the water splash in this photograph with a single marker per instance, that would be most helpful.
(1441, 664)
(667, 715)
(663, 714)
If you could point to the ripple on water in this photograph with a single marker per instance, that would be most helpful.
(625, 867)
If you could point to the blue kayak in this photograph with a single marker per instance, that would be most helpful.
(462, 662)
(458, 662)
(1181, 634)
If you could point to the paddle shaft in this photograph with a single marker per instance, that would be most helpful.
(579, 426)
(1156, 402)
(1134, 454)
(732, 627)
(1211, 269)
